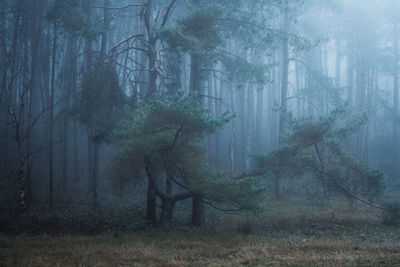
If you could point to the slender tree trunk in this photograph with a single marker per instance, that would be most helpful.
(95, 201)
(210, 106)
(52, 91)
(3, 83)
(284, 87)
(232, 134)
(65, 105)
(89, 67)
(196, 85)
(338, 63)
(361, 86)
(106, 28)
(350, 74)
(395, 104)
(259, 121)
(249, 143)
(241, 130)
(370, 89)
(150, 92)
(90, 149)
(273, 117)
(198, 211)
(93, 153)
(33, 102)
(75, 126)
(20, 175)
(217, 113)
(151, 205)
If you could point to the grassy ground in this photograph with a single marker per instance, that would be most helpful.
(288, 233)
(178, 249)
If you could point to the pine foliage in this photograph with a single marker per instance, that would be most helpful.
(101, 102)
(316, 148)
(169, 132)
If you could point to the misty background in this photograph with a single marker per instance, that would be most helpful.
(262, 74)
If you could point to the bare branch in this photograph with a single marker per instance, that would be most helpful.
(118, 8)
(166, 16)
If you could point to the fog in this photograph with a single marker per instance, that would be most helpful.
(169, 112)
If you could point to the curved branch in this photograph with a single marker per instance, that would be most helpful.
(306, 99)
(166, 16)
(221, 209)
(118, 8)
(345, 189)
(351, 194)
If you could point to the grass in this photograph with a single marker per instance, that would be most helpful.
(292, 234)
(179, 249)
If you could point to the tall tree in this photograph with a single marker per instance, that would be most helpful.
(284, 83)
(51, 126)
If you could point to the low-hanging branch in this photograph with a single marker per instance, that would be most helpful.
(343, 187)
(232, 211)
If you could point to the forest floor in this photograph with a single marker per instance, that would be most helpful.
(288, 233)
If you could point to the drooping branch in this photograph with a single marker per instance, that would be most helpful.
(344, 188)
(322, 172)
(305, 99)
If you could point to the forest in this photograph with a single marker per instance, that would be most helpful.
(199, 132)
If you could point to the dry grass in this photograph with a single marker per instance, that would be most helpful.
(288, 233)
(178, 249)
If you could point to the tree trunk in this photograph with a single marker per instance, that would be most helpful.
(52, 89)
(240, 137)
(259, 120)
(196, 77)
(90, 166)
(284, 88)
(198, 211)
(33, 103)
(3, 84)
(168, 186)
(250, 135)
(67, 65)
(167, 209)
(338, 63)
(210, 106)
(217, 94)
(395, 104)
(151, 204)
(196, 85)
(153, 73)
(350, 74)
(106, 28)
(95, 174)
(75, 134)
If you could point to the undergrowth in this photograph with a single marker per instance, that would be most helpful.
(80, 220)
